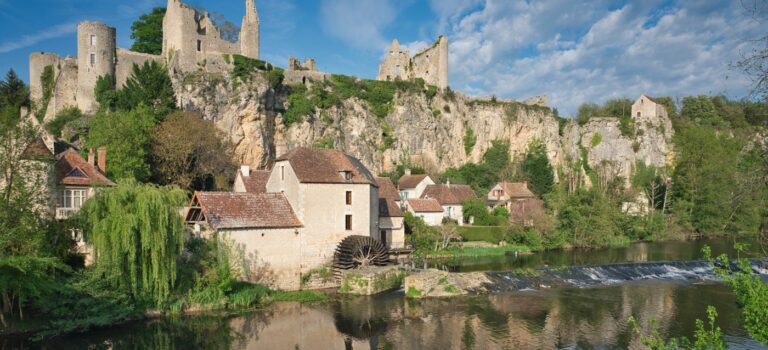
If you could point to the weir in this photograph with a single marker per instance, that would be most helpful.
(603, 275)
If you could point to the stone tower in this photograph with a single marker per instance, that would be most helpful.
(430, 64)
(249, 32)
(96, 49)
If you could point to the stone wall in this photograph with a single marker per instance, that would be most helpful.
(270, 256)
(430, 64)
(125, 61)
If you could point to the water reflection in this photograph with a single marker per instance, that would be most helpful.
(563, 318)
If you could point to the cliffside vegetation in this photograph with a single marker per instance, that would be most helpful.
(147, 32)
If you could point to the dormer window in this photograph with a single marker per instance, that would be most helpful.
(346, 174)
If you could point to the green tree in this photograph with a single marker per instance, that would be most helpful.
(586, 112)
(64, 117)
(701, 110)
(150, 85)
(137, 237)
(13, 91)
(190, 152)
(536, 168)
(469, 141)
(127, 136)
(704, 178)
(147, 32)
(106, 94)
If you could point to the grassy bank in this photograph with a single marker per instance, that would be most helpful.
(456, 252)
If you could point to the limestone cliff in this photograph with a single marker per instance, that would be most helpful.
(425, 131)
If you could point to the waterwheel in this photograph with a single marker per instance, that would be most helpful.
(359, 251)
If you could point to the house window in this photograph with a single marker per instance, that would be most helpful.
(349, 197)
(199, 46)
(348, 222)
(71, 198)
(93, 40)
(404, 194)
(92, 59)
(638, 114)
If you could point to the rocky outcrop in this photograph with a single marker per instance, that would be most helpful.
(435, 283)
(420, 130)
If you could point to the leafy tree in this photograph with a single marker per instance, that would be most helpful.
(536, 168)
(701, 110)
(106, 94)
(469, 141)
(137, 237)
(64, 117)
(190, 152)
(150, 85)
(423, 237)
(590, 219)
(586, 112)
(147, 32)
(127, 136)
(618, 108)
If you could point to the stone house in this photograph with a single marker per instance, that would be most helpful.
(391, 220)
(451, 198)
(647, 108)
(77, 180)
(428, 209)
(316, 197)
(412, 186)
(503, 194)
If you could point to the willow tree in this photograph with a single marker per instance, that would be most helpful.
(136, 233)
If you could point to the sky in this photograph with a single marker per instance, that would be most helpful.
(572, 51)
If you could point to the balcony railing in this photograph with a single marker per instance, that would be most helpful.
(65, 213)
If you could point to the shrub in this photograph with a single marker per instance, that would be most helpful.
(64, 117)
(469, 141)
(597, 138)
(490, 234)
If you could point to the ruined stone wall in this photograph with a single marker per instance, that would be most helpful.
(37, 63)
(65, 88)
(125, 61)
(396, 64)
(249, 31)
(431, 64)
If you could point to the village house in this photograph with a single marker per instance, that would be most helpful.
(522, 204)
(451, 199)
(251, 181)
(412, 186)
(428, 209)
(313, 199)
(77, 180)
(391, 220)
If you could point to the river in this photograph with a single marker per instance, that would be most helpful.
(582, 315)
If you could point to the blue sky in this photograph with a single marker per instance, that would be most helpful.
(572, 51)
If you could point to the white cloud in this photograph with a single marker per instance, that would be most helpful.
(359, 23)
(32, 39)
(577, 52)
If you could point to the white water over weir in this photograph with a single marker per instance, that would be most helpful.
(601, 275)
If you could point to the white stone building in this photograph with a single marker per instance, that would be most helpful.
(391, 220)
(451, 198)
(412, 186)
(428, 210)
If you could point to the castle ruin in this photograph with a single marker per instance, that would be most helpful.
(430, 64)
(190, 39)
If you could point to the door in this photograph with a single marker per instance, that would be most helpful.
(383, 238)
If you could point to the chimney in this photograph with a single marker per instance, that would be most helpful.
(407, 171)
(91, 157)
(245, 170)
(448, 182)
(102, 158)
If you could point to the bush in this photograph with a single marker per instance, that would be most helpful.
(490, 234)
(469, 140)
(245, 66)
(64, 117)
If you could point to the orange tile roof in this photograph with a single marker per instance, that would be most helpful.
(428, 205)
(37, 150)
(410, 181)
(389, 209)
(313, 165)
(72, 169)
(256, 182)
(230, 210)
(517, 189)
(449, 194)
(387, 189)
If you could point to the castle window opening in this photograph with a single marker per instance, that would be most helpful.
(92, 59)
(93, 40)
(199, 46)
(348, 222)
(638, 114)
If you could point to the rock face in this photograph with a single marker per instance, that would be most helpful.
(435, 283)
(371, 280)
(419, 130)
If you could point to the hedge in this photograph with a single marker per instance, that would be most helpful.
(491, 234)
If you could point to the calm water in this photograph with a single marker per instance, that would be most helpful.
(567, 317)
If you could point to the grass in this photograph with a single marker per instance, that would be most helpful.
(304, 296)
(413, 292)
(476, 252)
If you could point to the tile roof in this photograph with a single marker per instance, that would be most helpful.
(389, 209)
(387, 189)
(228, 210)
(37, 150)
(256, 182)
(313, 165)
(410, 181)
(72, 169)
(650, 98)
(449, 194)
(429, 205)
(517, 189)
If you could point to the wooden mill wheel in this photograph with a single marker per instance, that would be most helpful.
(359, 251)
